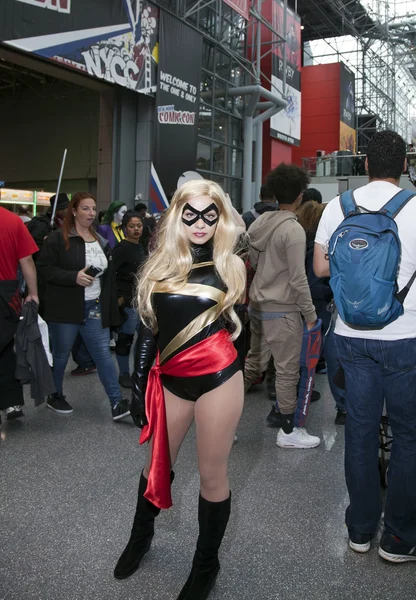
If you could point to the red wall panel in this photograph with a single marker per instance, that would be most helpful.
(274, 151)
(320, 111)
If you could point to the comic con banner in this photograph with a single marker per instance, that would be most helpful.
(347, 132)
(285, 125)
(177, 101)
(114, 40)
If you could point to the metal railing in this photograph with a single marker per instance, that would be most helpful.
(341, 164)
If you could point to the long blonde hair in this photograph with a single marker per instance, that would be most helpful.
(171, 260)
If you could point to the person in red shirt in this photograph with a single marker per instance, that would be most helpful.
(16, 249)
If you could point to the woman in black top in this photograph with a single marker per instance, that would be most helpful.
(80, 298)
(128, 256)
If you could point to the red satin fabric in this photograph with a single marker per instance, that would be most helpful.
(209, 356)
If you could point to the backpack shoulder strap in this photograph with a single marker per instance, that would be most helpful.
(348, 203)
(395, 204)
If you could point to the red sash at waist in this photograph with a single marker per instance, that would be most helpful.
(208, 356)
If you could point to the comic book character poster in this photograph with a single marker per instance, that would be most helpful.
(347, 137)
(117, 43)
(347, 131)
(347, 95)
(292, 34)
(240, 6)
(285, 125)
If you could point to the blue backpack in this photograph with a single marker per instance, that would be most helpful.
(364, 257)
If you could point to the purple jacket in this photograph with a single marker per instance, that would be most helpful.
(106, 232)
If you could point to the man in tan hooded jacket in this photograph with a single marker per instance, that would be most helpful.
(280, 297)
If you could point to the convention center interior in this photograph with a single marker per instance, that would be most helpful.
(207, 299)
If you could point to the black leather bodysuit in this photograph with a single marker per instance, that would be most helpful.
(189, 316)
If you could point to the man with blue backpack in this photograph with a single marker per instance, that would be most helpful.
(366, 242)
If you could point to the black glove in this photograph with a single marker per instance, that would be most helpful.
(144, 357)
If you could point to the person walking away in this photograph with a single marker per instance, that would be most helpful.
(128, 256)
(279, 298)
(81, 298)
(267, 203)
(379, 363)
(309, 216)
(16, 249)
(41, 226)
(24, 213)
(312, 194)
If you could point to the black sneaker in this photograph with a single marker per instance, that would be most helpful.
(80, 371)
(14, 412)
(120, 410)
(125, 380)
(58, 403)
(394, 550)
(274, 418)
(340, 418)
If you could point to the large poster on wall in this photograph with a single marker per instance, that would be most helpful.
(177, 101)
(285, 125)
(116, 42)
(347, 131)
(240, 6)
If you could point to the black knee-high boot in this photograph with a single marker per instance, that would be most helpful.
(141, 533)
(213, 518)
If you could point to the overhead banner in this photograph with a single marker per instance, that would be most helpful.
(177, 101)
(347, 131)
(285, 125)
(240, 6)
(113, 40)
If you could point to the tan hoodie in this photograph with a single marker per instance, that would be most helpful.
(277, 252)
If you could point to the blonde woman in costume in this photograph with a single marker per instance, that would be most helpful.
(187, 292)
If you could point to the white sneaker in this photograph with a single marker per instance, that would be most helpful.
(299, 438)
(360, 548)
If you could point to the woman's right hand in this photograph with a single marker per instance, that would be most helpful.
(83, 279)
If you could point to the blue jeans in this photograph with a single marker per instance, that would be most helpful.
(81, 355)
(96, 339)
(333, 364)
(129, 327)
(375, 371)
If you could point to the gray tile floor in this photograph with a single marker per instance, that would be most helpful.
(67, 497)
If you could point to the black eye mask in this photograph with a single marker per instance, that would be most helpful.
(200, 215)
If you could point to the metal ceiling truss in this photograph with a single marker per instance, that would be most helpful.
(383, 60)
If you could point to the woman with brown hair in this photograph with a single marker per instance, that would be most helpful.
(309, 216)
(81, 298)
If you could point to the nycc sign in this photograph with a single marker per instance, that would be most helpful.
(62, 6)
